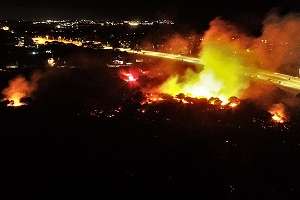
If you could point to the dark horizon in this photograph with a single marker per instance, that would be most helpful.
(182, 11)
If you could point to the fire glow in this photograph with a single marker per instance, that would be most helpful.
(130, 76)
(153, 98)
(220, 76)
(278, 113)
(229, 61)
(18, 89)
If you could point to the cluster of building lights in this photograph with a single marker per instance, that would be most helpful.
(59, 24)
(5, 28)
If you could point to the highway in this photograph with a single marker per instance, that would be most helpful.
(278, 79)
(175, 57)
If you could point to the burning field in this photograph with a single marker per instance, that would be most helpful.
(226, 57)
(226, 67)
(227, 54)
(19, 89)
(218, 108)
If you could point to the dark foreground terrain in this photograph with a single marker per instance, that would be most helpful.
(84, 135)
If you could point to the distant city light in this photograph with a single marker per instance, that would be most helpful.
(133, 23)
(44, 40)
(5, 28)
(12, 66)
(51, 62)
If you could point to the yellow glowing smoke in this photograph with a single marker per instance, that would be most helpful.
(222, 77)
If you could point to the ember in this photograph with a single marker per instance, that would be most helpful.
(151, 98)
(278, 113)
(130, 76)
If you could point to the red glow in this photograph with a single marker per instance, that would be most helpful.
(130, 76)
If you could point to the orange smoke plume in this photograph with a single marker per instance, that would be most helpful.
(280, 39)
(176, 44)
(19, 88)
(275, 49)
(226, 54)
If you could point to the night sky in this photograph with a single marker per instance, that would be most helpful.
(181, 10)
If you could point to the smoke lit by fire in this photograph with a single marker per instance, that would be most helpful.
(226, 55)
(18, 89)
(222, 74)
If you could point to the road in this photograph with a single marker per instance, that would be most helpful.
(278, 79)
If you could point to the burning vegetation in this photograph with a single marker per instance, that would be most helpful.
(18, 89)
(153, 98)
(278, 113)
(226, 56)
(221, 76)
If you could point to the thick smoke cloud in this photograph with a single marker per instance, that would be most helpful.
(227, 52)
(282, 38)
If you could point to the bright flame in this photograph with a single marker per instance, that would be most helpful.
(278, 113)
(131, 76)
(15, 100)
(128, 77)
(222, 77)
(151, 98)
(17, 89)
(233, 104)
